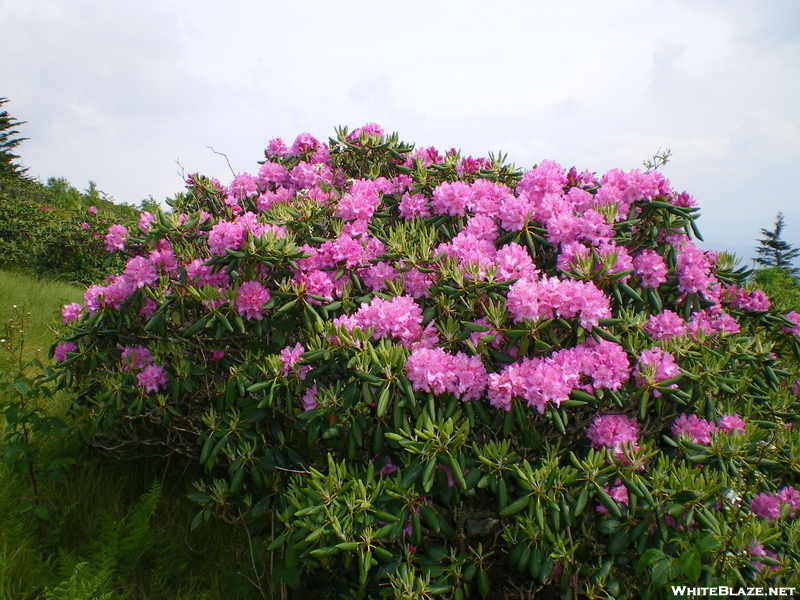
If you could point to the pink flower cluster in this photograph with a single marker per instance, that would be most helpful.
(289, 358)
(795, 319)
(309, 399)
(145, 218)
(116, 237)
(711, 321)
(618, 493)
(152, 378)
(551, 298)
(250, 300)
(622, 189)
(758, 550)
(752, 301)
(317, 274)
(230, 235)
(197, 273)
(62, 349)
(615, 432)
(542, 381)
(655, 366)
(699, 431)
(360, 202)
(436, 370)
(139, 272)
(135, 358)
(770, 506)
(694, 269)
(651, 268)
(71, 312)
(399, 318)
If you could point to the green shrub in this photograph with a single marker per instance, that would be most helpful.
(412, 375)
(54, 231)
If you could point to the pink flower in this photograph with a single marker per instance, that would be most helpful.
(755, 301)
(606, 363)
(276, 147)
(431, 370)
(92, 210)
(152, 378)
(135, 358)
(547, 177)
(451, 198)
(651, 268)
(618, 493)
(789, 495)
(149, 307)
(731, 423)
(144, 221)
(289, 359)
(115, 238)
(694, 269)
(163, 257)
(140, 272)
(61, 351)
(794, 318)
(225, 235)
(766, 506)
(696, 429)
(368, 130)
(414, 205)
(360, 202)
(310, 398)
(435, 370)
(251, 297)
(665, 326)
(514, 262)
(654, 367)
(417, 284)
(615, 432)
(71, 312)
(243, 186)
(388, 468)
(304, 144)
(217, 355)
(399, 318)
(85, 226)
(551, 298)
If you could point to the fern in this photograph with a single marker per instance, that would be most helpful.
(122, 544)
(134, 536)
(82, 585)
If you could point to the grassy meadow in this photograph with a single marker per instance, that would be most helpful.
(115, 529)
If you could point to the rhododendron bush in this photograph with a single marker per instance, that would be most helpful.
(413, 373)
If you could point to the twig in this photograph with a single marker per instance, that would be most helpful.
(226, 159)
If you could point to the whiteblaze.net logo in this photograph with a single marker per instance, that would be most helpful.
(730, 592)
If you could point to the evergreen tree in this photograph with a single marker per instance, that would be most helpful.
(775, 252)
(8, 168)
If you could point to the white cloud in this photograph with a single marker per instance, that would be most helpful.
(116, 92)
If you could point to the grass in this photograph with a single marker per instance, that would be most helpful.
(118, 529)
(39, 304)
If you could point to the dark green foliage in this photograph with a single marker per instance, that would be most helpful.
(48, 229)
(775, 252)
(781, 287)
(8, 168)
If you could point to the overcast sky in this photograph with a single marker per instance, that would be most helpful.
(121, 92)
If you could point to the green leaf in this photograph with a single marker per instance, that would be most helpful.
(665, 570)
(691, 565)
(514, 507)
(650, 556)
